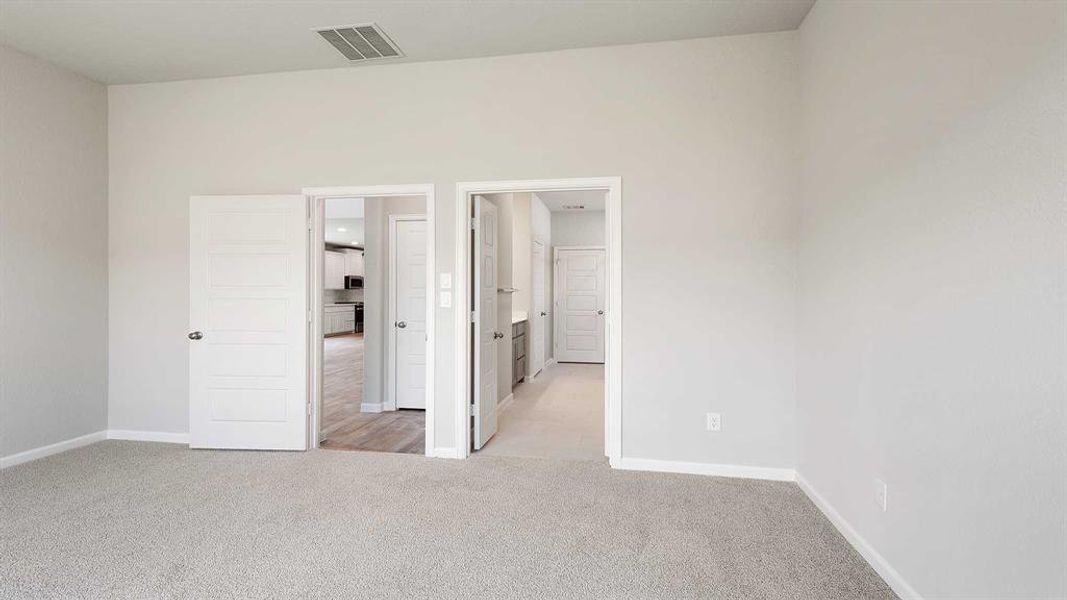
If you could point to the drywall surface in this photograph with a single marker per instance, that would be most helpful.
(578, 228)
(715, 119)
(932, 311)
(53, 254)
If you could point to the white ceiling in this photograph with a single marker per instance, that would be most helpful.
(590, 199)
(163, 40)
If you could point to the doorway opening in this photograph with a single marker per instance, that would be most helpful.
(539, 262)
(372, 319)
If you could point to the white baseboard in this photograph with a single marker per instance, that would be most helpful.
(878, 562)
(506, 402)
(49, 450)
(548, 363)
(165, 437)
(671, 466)
(371, 407)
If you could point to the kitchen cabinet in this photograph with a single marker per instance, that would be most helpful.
(338, 319)
(354, 262)
(334, 271)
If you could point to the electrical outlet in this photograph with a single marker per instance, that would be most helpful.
(446, 299)
(881, 493)
(446, 281)
(714, 421)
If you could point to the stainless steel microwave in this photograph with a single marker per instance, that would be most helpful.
(353, 282)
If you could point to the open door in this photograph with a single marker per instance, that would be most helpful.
(538, 311)
(485, 330)
(248, 320)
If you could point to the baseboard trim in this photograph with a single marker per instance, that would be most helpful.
(506, 402)
(371, 407)
(35, 453)
(715, 470)
(878, 562)
(164, 437)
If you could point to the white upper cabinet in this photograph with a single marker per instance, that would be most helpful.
(354, 262)
(334, 277)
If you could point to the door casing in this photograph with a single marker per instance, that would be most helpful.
(613, 342)
(317, 197)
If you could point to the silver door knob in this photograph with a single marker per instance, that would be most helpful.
(196, 335)
(497, 335)
(401, 324)
(599, 312)
(543, 313)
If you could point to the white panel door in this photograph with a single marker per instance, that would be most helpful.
(248, 307)
(407, 305)
(485, 326)
(539, 315)
(580, 300)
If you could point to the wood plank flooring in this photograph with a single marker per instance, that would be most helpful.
(343, 425)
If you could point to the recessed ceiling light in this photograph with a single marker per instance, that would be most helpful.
(341, 229)
(355, 243)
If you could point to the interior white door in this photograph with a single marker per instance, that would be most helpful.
(407, 305)
(580, 303)
(538, 316)
(485, 326)
(248, 308)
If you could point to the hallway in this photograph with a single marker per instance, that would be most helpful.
(559, 414)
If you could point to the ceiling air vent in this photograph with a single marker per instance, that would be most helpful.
(573, 207)
(361, 42)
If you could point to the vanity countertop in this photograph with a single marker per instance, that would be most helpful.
(519, 316)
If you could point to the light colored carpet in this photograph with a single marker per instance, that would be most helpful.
(140, 520)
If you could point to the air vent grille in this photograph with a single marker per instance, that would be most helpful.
(360, 42)
(573, 207)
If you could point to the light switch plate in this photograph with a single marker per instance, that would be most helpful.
(446, 281)
(446, 299)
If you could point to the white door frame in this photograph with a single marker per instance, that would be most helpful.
(613, 342)
(390, 340)
(556, 296)
(317, 224)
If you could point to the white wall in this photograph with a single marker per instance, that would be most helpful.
(53, 245)
(578, 228)
(932, 287)
(715, 119)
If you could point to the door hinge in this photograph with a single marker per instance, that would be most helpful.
(474, 316)
(474, 224)
(472, 410)
(309, 407)
(310, 316)
(311, 224)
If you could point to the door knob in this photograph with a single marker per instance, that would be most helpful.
(401, 324)
(543, 313)
(497, 335)
(599, 312)
(196, 335)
